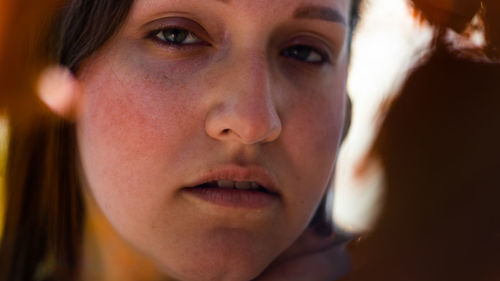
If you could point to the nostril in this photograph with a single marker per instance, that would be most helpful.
(226, 131)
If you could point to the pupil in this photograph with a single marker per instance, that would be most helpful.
(176, 36)
(298, 52)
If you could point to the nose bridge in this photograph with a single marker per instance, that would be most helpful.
(247, 111)
(251, 81)
(248, 61)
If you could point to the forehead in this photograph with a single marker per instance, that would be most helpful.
(331, 10)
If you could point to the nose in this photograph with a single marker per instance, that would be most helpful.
(244, 110)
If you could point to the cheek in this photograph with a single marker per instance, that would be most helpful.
(314, 119)
(131, 130)
(310, 141)
(313, 144)
(316, 128)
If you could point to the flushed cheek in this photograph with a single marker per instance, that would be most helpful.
(133, 133)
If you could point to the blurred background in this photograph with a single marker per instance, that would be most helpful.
(389, 41)
(3, 150)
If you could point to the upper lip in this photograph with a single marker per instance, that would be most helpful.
(239, 173)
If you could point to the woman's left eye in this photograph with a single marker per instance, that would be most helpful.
(177, 36)
(304, 53)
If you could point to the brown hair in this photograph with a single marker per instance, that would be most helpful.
(44, 213)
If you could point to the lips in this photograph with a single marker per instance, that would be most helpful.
(238, 177)
(236, 186)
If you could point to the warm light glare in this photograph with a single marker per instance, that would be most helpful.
(385, 46)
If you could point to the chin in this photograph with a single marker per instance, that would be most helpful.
(229, 260)
(216, 268)
(217, 273)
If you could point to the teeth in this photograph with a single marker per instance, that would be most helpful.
(225, 184)
(243, 185)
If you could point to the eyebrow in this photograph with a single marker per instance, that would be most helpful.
(320, 13)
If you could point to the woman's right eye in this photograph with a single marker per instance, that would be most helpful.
(176, 36)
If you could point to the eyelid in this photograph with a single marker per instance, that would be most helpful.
(179, 23)
(312, 52)
(314, 43)
(154, 36)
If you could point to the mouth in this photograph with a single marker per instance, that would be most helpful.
(236, 187)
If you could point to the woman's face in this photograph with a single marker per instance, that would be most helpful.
(208, 130)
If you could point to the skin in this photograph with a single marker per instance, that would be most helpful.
(152, 118)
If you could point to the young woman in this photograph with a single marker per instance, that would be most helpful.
(193, 140)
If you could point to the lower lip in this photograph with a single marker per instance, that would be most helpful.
(234, 198)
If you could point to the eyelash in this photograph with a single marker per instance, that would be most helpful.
(294, 52)
(297, 52)
(155, 36)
